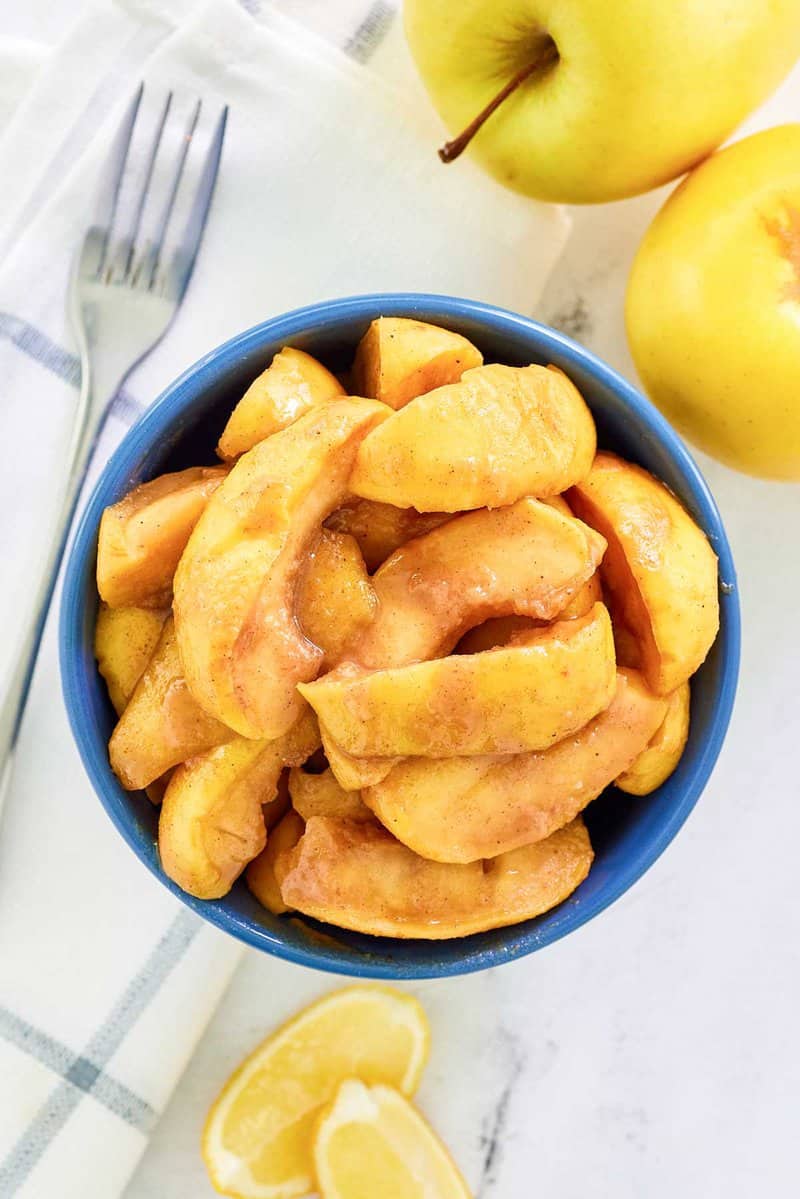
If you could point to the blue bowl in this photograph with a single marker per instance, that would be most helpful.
(181, 429)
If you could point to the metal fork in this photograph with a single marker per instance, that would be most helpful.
(124, 293)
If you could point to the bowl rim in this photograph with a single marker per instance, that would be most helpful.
(179, 396)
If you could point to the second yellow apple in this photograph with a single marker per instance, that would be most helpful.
(713, 306)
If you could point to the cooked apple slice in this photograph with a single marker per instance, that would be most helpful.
(398, 359)
(499, 630)
(156, 790)
(241, 646)
(276, 808)
(501, 433)
(380, 529)
(354, 773)
(592, 591)
(543, 687)
(583, 601)
(626, 644)
(260, 874)
(212, 821)
(335, 599)
(124, 642)
(523, 560)
(463, 809)
(493, 633)
(656, 763)
(162, 723)
(659, 568)
(292, 385)
(357, 876)
(321, 795)
(560, 504)
(143, 535)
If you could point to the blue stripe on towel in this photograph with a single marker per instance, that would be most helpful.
(364, 40)
(60, 362)
(83, 1074)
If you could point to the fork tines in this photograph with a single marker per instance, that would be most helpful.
(154, 195)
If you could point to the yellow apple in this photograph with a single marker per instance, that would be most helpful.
(597, 100)
(713, 306)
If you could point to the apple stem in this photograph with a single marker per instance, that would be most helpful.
(451, 150)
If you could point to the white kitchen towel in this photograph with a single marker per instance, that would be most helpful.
(20, 62)
(329, 185)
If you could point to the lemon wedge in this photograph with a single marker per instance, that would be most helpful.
(257, 1138)
(370, 1141)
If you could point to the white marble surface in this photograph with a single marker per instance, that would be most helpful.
(654, 1053)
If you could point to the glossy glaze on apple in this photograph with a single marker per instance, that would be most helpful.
(545, 685)
(291, 386)
(162, 724)
(453, 654)
(518, 431)
(467, 808)
(142, 537)
(399, 359)
(523, 560)
(357, 876)
(380, 529)
(659, 568)
(335, 600)
(242, 648)
(212, 819)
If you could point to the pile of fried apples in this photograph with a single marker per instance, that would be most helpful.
(382, 656)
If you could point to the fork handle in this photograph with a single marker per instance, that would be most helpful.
(96, 392)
